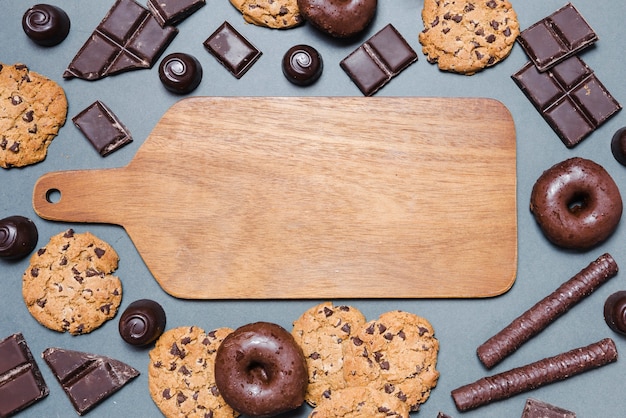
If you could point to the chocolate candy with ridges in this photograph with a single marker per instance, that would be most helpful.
(142, 322)
(46, 25)
(180, 73)
(302, 65)
(18, 237)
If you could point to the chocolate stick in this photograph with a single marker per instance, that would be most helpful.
(544, 312)
(534, 375)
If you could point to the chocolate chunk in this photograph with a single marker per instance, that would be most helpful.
(128, 38)
(232, 49)
(556, 37)
(180, 73)
(172, 12)
(102, 128)
(21, 382)
(534, 375)
(45, 24)
(569, 97)
(547, 310)
(539, 409)
(378, 60)
(87, 379)
(302, 65)
(18, 237)
(142, 322)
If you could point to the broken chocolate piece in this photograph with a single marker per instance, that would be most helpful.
(21, 382)
(172, 12)
(553, 39)
(128, 38)
(378, 60)
(102, 128)
(87, 379)
(539, 409)
(232, 50)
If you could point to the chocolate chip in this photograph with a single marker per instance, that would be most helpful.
(91, 272)
(492, 4)
(491, 38)
(346, 328)
(315, 356)
(28, 116)
(184, 370)
(180, 398)
(384, 365)
(15, 100)
(175, 351)
(99, 252)
(166, 394)
(357, 341)
(186, 340)
(215, 391)
(389, 388)
(34, 272)
(15, 147)
(106, 308)
(69, 233)
(328, 312)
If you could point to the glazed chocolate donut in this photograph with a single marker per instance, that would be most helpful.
(260, 370)
(576, 204)
(338, 18)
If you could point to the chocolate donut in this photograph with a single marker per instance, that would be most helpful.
(576, 204)
(260, 370)
(338, 18)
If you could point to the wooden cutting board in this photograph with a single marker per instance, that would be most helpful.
(273, 198)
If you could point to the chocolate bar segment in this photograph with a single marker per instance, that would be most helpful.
(21, 382)
(232, 50)
(172, 12)
(87, 379)
(553, 39)
(378, 60)
(128, 38)
(569, 97)
(539, 409)
(102, 128)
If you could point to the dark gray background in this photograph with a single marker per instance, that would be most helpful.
(139, 100)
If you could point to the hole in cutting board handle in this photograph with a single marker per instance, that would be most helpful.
(53, 196)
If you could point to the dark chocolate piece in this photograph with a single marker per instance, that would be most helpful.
(172, 12)
(442, 415)
(180, 73)
(21, 382)
(302, 65)
(102, 128)
(534, 375)
(569, 97)
(128, 38)
(547, 310)
(378, 60)
(553, 39)
(618, 145)
(18, 237)
(232, 50)
(539, 409)
(45, 24)
(615, 312)
(87, 379)
(142, 322)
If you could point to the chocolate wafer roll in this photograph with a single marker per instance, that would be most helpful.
(531, 376)
(544, 312)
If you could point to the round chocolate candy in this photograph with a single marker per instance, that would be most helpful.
(180, 73)
(142, 322)
(615, 312)
(618, 145)
(18, 237)
(45, 24)
(302, 65)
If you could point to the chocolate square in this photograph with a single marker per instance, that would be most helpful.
(102, 128)
(172, 12)
(232, 50)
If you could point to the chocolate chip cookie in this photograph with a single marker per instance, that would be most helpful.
(276, 14)
(357, 402)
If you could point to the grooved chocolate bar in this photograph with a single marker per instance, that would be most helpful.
(534, 375)
(544, 312)
(21, 382)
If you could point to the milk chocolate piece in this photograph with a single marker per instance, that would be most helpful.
(45, 24)
(378, 60)
(534, 375)
(539, 409)
(18, 237)
(172, 12)
(142, 322)
(128, 38)
(546, 311)
(102, 128)
(21, 382)
(556, 37)
(232, 50)
(569, 97)
(87, 379)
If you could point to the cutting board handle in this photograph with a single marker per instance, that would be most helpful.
(79, 196)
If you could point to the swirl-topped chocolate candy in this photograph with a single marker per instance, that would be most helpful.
(180, 73)
(46, 25)
(18, 237)
(302, 65)
(142, 322)
(615, 312)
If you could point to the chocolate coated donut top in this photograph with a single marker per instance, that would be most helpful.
(338, 18)
(142, 322)
(615, 312)
(18, 237)
(45, 24)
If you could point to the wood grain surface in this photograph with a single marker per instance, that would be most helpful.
(276, 198)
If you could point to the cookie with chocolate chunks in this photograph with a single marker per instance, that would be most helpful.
(69, 285)
(357, 402)
(275, 14)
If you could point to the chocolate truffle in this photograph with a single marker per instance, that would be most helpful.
(615, 312)
(618, 145)
(18, 237)
(45, 24)
(142, 322)
(302, 65)
(180, 73)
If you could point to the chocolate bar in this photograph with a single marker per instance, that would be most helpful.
(553, 39)
(102, 128)
(546, 311)
(128, 38)
(172, 12)
(539, 409)
(569, 97)
(534, 375)
(87, 379)
(378, 60)
(21, 382)
(232, 50)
